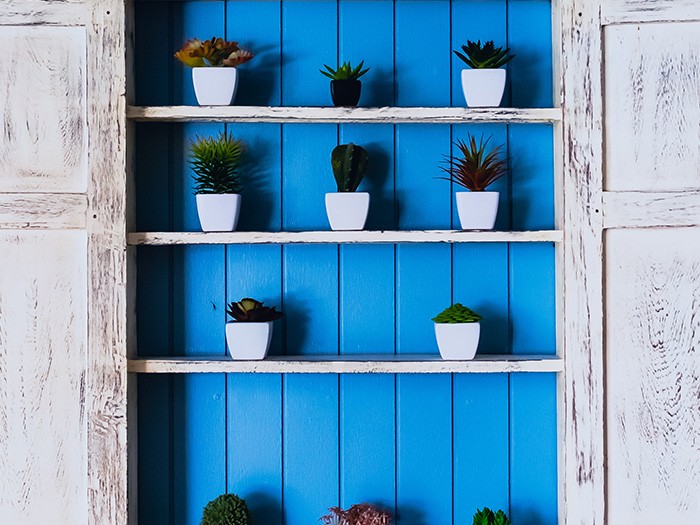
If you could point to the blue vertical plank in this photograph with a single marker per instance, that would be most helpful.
(254, 402)
(367, 423)
(199, 469)
(533, 397)
(310, 274)
(424, 417)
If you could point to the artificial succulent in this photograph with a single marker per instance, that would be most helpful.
(249, 310)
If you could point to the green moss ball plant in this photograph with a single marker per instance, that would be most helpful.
(457, 332)
(227, 509)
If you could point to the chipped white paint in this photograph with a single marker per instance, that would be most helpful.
(43, 12)
(626, 11)
(653, 375)
(342, 237)
(43, 144)
(43, 211)
(652, 121)
(357, 364)
(632, 209)
(43, 290)
(321, 115)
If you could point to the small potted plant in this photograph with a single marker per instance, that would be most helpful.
(359, 514)
(457, 331)
(476, 170)
(227, 509)
(214, 73)
(489, 517)
(347, 209)
(345, 84)
(215, 163)
(485, 82)
(248, 336)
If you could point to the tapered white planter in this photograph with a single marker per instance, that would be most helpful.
(483, 88)
(347, 210)
(477, 209)
(248, 341)
(218, 212)
(215, 86)
(457, 341)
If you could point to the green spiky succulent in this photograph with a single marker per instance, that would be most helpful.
(488, 517)
(349, 163)
(215, 163)
(249, 310)
(487, 56)
(344, 72)
(457, 313)
(227, 509)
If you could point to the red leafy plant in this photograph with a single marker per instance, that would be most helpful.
(215, 52)
(477, 168)
(359, 514)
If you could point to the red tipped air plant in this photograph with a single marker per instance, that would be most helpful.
(359, 514)
(215, 52)
(477, 169)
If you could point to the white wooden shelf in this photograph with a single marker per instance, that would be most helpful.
(346, 364)
(321, 115)
(341, 237)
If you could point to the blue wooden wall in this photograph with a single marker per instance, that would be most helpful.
(429, 448)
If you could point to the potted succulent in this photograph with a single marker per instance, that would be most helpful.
(359, 514)
(345, 84)
(227, 509)
(475, 171)
(485, 82)
(214, 73)
(489, 517)
(215, 163)
(248, 336)
(457, 331)
(347, 209)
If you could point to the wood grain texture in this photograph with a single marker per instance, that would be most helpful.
(330, 115)
(632, 209)
(43, 12)
(43, 144)
(630, 11)
(43, 211)
(582, 258)
(106, 385)
(653, 375)
(652, 122)
(43, 324)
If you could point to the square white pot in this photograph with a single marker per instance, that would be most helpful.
(477, 209)
(347, 210)
(248, 341)
(215, 86)
(218, 212)
(483, 88)
(457, 341)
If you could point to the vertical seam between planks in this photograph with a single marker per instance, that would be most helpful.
(509, 260)
(396, 272)
(452, 278)
(171, 281)
(282, 517)
(338, 256)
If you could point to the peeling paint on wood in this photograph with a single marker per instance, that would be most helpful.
(43, 12)
(633, 209)
(626, 11)
(43, 211)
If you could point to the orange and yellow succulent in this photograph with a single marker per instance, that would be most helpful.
(215, 52)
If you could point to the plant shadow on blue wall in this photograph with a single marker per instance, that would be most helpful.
(260, 81)
(381, 208)
(296, 313)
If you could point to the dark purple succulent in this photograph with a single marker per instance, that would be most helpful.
(249, 310)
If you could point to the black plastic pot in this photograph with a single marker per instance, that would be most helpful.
(346, 92)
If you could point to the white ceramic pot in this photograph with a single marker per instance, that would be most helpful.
(215, 86)
(218, 212)
(248, 341)
(477, 209)
(347, 210)
(457, 341)
(483, 88)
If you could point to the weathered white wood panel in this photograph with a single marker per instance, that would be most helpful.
(42, 103)
(43, 211)
(631, 209)
(653, 375)
(43, 293)
(652, 121)
(48, 12)
(625, 11)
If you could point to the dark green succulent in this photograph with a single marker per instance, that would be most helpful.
(344, 72)
(215, 163)
(489, 517)
(249, 310)
(487, 56)
(349, 163)
(227, 509)
(457, 313)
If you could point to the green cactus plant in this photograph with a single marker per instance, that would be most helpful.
(227, 509)
(488, 517)
(457, 313)
(349, 164)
